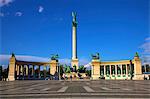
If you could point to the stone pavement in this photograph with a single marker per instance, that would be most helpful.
(75, 89)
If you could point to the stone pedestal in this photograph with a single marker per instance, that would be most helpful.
(137, 69)
(138, 77)
(53, 66)
(95, 71)
(75, 62)
(11, 73)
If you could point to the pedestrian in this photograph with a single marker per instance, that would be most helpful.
(71, 77)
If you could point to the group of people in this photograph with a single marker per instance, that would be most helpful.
(146, 77)
(65, 77)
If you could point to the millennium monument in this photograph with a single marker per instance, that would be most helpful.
(113, 70)
(74, 62)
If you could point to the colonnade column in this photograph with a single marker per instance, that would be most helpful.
(110, 70)
(32, 71)
(121, 69)
(18, 69)
(39, 71)
(45, 71)
(145, 68)
(104, 70)
(27, 70)
(126, 69)
(23, 71)
(116, 70)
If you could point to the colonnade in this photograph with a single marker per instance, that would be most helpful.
(29, 71)
(26, 69)
(114, 70)
(122, 69)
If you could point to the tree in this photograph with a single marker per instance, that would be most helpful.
(82, 69)
(88, 72)
(68, 69)
(61, 70)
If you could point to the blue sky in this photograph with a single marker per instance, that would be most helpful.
(114, 28)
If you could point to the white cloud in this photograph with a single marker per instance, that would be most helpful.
(5, 2)
(4, 60)
(40, 9)
(65, 61)
(18, 14)
(146, 59)
(146, 51)
(147, 39)
(146, 46)
(88, 66)
(83, 61)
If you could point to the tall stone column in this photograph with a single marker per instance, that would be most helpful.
(74, 61)
(12, 63)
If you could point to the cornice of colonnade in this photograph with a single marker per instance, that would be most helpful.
(18, 62)
(112, 62)
(116, 62)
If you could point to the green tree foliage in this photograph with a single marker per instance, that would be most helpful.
(68, 69)
(88, 72)
(82, 69)
(61, 70)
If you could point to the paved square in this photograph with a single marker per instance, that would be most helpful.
(75, 89)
